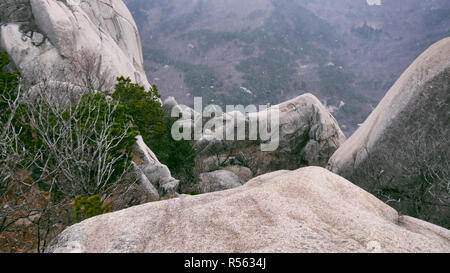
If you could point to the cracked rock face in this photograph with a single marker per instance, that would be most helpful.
(401, 152)
(46, 34)
(155, 177)
(308, 136)
(409, 94)
(307, 210)
(15, 11)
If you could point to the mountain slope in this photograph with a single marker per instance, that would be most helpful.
(347, 53)
(400, 153)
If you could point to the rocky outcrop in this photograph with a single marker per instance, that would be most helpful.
(308, 136)
(307, 210)
(218, 181)
(244, 173)
(154, 177)
(52, 37)
(401, 151)
(73, 44)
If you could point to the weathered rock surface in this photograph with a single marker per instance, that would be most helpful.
(56, 39)
(48, 35)
(308, 136)
(398, 101)
(307, 210)
(154, 176)
(244, 173)
(218, 181)
(401, 152)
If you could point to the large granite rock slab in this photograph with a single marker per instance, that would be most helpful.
(307, 210)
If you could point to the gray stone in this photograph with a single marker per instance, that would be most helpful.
(168, 104)
(405, 140)
(308, 136)
(105, 29)
(15, 11)
(397, 101)
(218, 181)
(154, 175)
(37, 39)
(307, 210)
(244, 173)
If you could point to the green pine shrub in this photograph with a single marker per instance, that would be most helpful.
(86, 208)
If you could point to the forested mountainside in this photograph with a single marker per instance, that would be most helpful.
(348, 53)
(90, 160)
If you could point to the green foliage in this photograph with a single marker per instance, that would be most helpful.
(179, 155)
(157, 56)
(145, 110)
(121, 120)
(7, 78)
(8, 82)
(199, 78)
(155, 126)
(86, 208)
(334, 80)
(191, 192)
(92, 134)
(294, 34)
(9, 92)
(236, 96)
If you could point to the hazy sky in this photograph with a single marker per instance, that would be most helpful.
(374, 2)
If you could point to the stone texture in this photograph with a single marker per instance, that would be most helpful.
(397, 101)
(308, 136)
(218, 181)
(44, 36)
(15, 11)
(244, 173)
(105, 29)
(307, 210)
(400, 153)
(154, 176)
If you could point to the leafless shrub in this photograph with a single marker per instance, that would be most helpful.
(10, 157)
(410, 167)
(76, 154)
(88, 73)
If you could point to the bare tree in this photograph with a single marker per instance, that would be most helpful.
(77, 143)
(59, 140)
(88, 72)
(78, 151)
(415, 179)
(10, 157)
(20, 199)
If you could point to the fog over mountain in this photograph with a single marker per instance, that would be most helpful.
(346, 52)
(351, 156)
